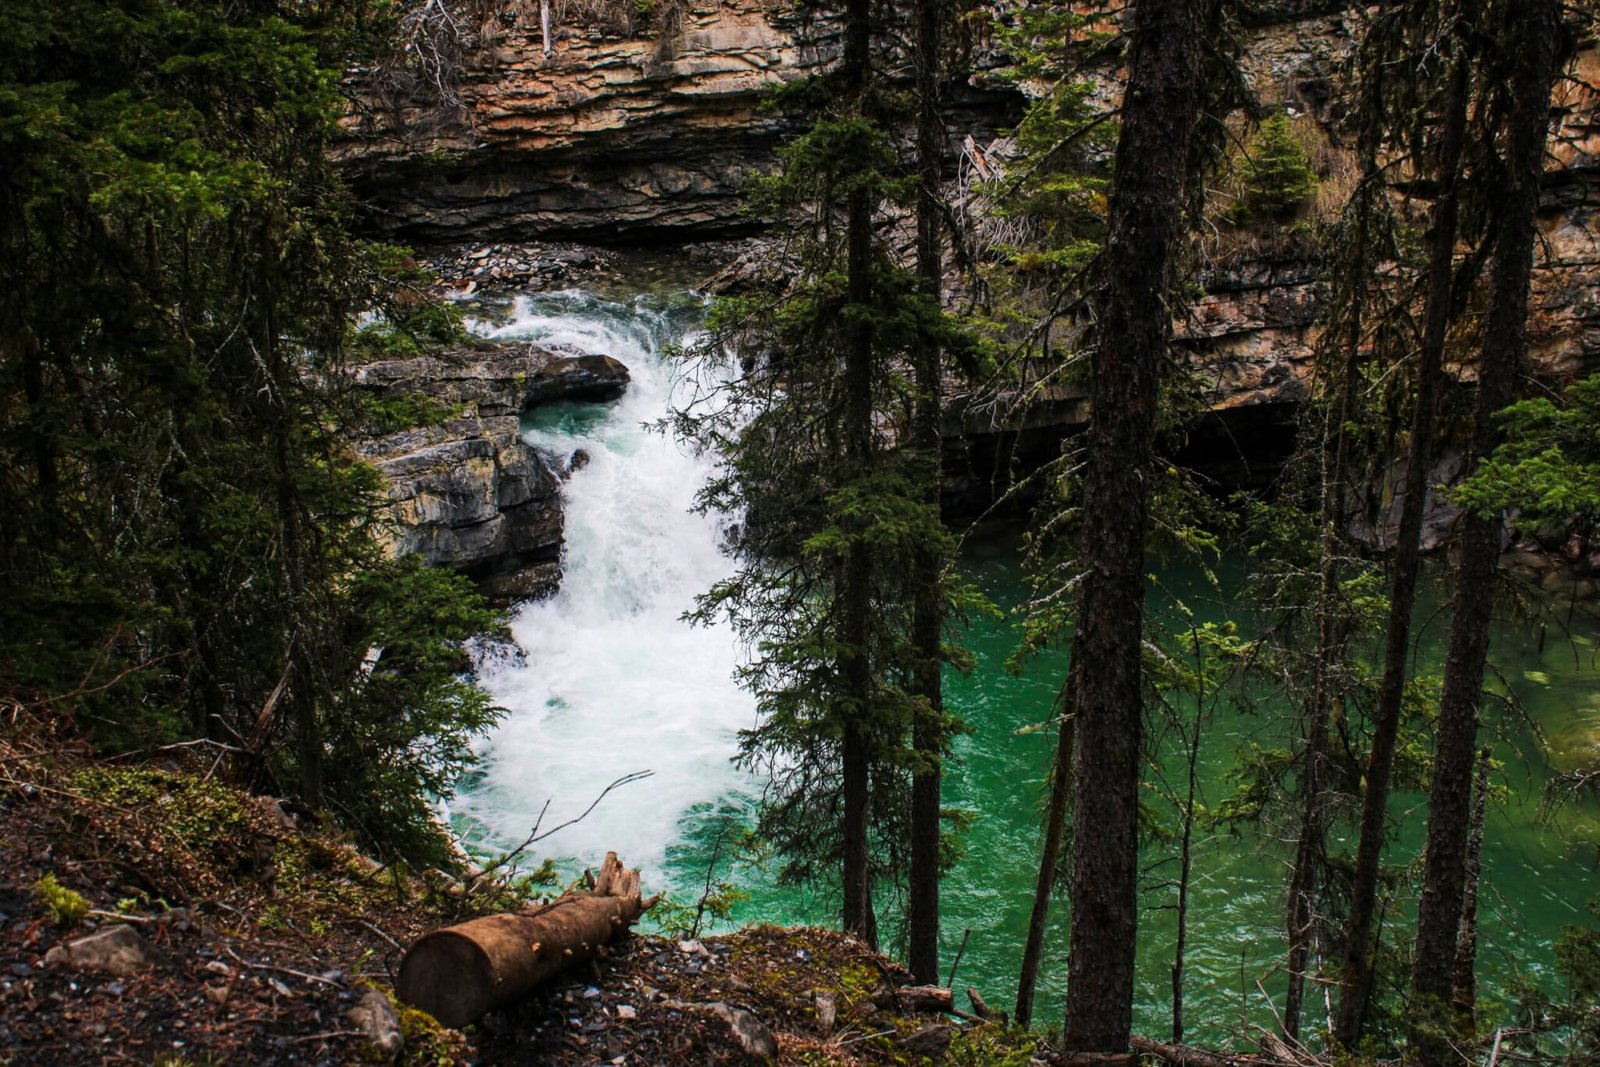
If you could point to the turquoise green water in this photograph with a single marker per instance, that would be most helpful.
(1539, 869)
(613, 679)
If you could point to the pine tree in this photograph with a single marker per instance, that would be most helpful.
(1405, 564)
(1532, 34)
(189, 549)
(836, 591)
(1159, 113)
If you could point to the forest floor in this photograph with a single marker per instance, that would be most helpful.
(241, 935)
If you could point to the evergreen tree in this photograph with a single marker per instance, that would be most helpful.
(188, 548)
(1152, 165)
(1445, 156)
(1532, 33)
(842, 529)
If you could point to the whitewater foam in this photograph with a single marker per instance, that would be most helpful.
(612, 680)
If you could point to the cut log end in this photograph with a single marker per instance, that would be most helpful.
(469, 991)
(458, 974)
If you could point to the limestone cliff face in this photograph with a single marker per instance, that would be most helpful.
(648, 138)
(469, 493)
(609, 137)
(612, 137)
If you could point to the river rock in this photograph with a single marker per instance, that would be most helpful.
(481, 378)
(469, 493)
(584, 378)
(115, 950)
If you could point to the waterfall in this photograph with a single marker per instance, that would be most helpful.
(611, 680)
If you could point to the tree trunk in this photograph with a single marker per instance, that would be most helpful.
(1055, 823)
(1191, 743)
(1356, 982)
(1534, 32)
(1464, 990)
(927, 625)
(459, 973)
(1311, 845)
(1159, 112)
(856, 592)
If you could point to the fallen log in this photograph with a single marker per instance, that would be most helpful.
(459, 973)
(1188, 1056)
(925, 998)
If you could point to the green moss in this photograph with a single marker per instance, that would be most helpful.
(993, 1046)
(219, 825)
(66, 908)
(857, 984)
(428, 1043)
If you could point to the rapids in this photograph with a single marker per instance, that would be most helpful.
(612, 680)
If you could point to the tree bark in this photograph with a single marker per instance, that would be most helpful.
(927, 625)
(1159, 112)
(1535, 30)
(459, 973)
(855, 594)
(1464, 991)
(1356, 981)
(1311, 845)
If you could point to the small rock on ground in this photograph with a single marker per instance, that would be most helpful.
(114, 950)
(751, 1033)
(375, 1017)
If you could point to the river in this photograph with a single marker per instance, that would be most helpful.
(612, 681)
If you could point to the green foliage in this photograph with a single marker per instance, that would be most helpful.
(836, 509)
(1276, 174)
(66, 907)
(392, 412)
(188, 547)
(1549, 463)
(1056, 183)
(399, 735)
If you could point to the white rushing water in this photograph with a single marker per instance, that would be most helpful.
(612, 680)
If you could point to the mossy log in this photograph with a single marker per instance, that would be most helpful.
(459, 973)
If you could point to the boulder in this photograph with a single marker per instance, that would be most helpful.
(115, 950)
(752, 1035)
(585, 378)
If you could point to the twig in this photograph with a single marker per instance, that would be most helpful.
(535, 836)
(138, 920)
(374, 930)
(888, 980)
(865, 1037)
(950, 982)
(321, 1037)
(302, 975)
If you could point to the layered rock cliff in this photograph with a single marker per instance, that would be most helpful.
(646, 134)
(468, 492)
(616, 135)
